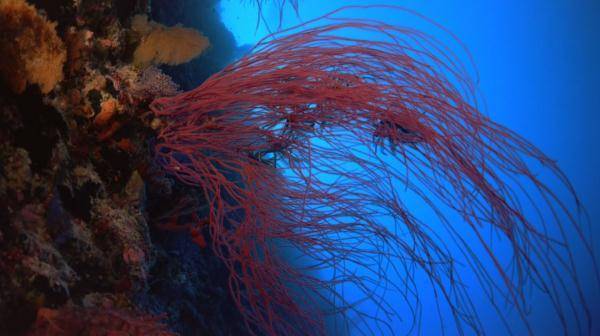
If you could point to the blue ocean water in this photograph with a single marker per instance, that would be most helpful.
(538, 70)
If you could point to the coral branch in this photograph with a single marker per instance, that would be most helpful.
(281, 4)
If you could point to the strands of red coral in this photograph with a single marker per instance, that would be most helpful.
(312, 139)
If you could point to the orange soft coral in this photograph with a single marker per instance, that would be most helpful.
(31, 50)
(166, 45)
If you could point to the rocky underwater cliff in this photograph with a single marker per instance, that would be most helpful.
(83, 209)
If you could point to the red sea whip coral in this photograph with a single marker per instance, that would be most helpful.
(312, 140)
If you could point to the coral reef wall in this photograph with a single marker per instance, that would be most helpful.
(83, 207)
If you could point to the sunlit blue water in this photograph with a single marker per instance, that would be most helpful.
(539, 73)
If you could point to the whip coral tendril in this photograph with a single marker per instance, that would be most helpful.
(280, 6)
(312, 140)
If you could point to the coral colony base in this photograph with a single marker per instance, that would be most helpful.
(248, 204)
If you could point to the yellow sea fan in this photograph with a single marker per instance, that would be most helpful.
(166, 45)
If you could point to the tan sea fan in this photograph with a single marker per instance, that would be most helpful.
(166, 45)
